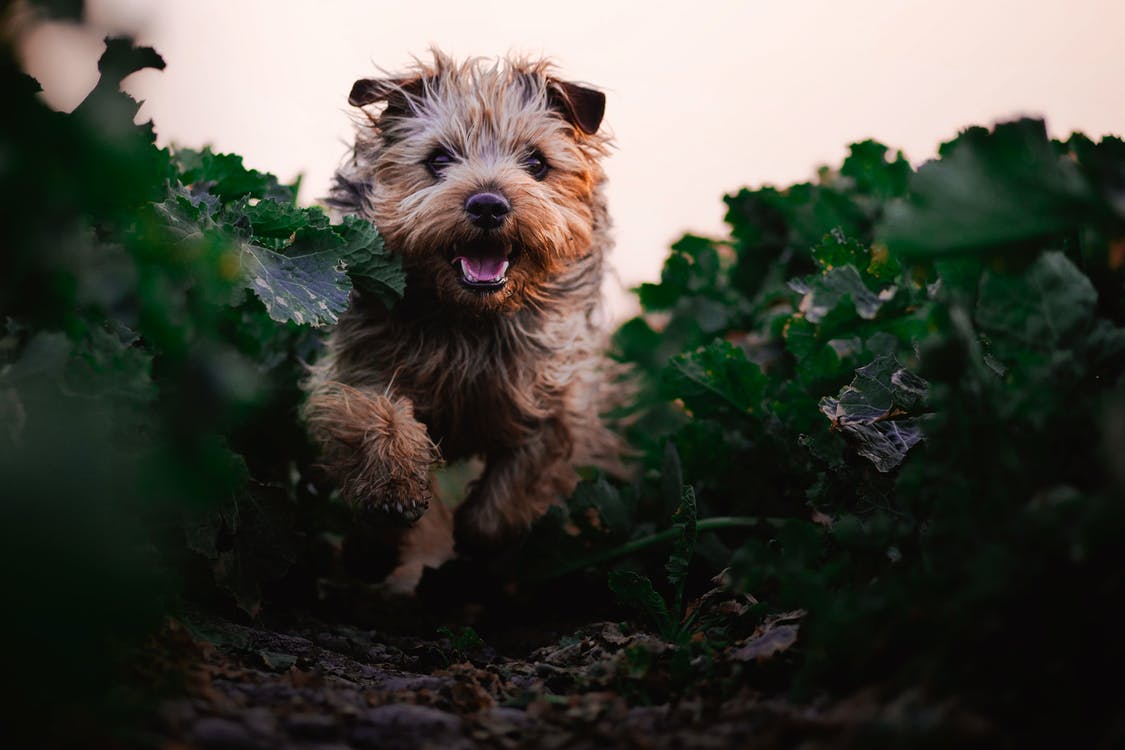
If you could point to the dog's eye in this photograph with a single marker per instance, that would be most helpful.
(536, 165)
(438, 161)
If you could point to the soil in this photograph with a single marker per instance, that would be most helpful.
(311, 684)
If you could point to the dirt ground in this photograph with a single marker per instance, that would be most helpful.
(311, 685)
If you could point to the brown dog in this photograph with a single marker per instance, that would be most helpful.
(485, 179)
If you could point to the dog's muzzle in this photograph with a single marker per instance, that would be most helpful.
(482, 266)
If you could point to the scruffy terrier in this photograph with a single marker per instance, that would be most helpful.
(484, 178)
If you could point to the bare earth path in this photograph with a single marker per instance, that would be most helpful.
(314, 686)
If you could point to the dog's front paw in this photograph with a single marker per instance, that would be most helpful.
(403, 500)
(375, 448)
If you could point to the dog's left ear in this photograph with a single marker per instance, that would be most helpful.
(581, 106)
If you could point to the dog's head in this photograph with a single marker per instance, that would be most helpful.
(482, 175)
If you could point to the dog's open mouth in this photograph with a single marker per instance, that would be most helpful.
(481, 269)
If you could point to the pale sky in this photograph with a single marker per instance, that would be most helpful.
(703, 97)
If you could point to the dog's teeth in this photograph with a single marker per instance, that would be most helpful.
(468, 274)
(471, 273)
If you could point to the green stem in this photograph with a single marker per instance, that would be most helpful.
(636, 545)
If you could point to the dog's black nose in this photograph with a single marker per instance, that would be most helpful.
(487, 210)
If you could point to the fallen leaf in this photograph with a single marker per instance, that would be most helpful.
(764, 646)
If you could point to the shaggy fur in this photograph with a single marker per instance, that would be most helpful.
(513, 375)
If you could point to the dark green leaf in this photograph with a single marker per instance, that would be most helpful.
(604, 499)
(671, 478)
(867, 165)
(824, 293)
(837, 249)
(636, 590)
(107, 108)
(307, 289)
(187, 215)
(225, 176)
(1044, 307)
(271, 218)
(121, 58)
(715, 378)
(683, 548)
(989, 190)
(371, 268)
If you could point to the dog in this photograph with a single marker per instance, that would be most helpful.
(485, 178)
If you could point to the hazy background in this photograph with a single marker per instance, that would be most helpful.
(702, 99)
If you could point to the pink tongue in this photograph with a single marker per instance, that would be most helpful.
(488, 268)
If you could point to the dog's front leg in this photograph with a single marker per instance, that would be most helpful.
(373, 447)
(516, 488)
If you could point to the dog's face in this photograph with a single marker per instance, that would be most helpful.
(482, 177)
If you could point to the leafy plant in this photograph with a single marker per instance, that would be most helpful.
(637, 590)
(158, 309)
(905, 387)
(464, 639)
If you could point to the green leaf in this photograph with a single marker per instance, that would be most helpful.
(683, 548)
(693, 267)
(671, 479)
(121, 59)
(370, 266)
(307, 280)
(873, 174)
(225, 176)
(820, 349)
(600, 496)
(989, 190)
(464, 639)
(307, 289)
(636, 341)
(109, 364)
(636, 590)
(837, 249)
(873, 263)
(824, 293)
(1103, 164)
(1044, 308)
(187, 215)
(271, 218)
(768, 222)
(110, 110)
(715, 378)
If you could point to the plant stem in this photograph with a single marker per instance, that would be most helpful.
(636, 545)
